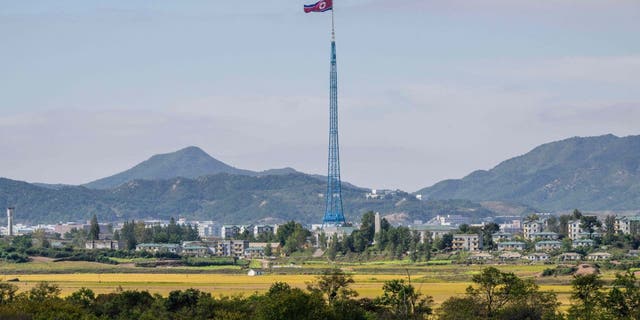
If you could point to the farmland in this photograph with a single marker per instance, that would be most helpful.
(439, 281)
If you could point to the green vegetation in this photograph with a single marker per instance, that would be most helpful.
(221, 197)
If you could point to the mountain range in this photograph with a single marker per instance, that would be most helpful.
(592, 173)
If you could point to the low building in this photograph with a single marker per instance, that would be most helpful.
(538, 256)
(586, 243)
(587, 235)
(545, 236)
(511, 246)
(633, 253)
(254, 252)
(196, 250)
(102, 244)
(159, 247)
(501, 237)
(570, 256)
(253, 273)
(510, 256)
(480, 256)
(548, 245)
(467, 242)
(599, 256)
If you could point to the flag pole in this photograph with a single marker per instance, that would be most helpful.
(333, 29)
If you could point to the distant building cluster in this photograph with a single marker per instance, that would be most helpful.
(212, 248)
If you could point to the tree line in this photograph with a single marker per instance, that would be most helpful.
(133, 233)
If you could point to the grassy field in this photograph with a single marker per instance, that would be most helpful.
(440, 281)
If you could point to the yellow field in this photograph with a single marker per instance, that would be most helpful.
(440, 282)
(236, 284)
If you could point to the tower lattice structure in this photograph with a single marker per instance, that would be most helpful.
(334, 214)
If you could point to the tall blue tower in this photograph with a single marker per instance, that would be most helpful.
(333, 214)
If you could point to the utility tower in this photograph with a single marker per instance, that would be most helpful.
(333, 215)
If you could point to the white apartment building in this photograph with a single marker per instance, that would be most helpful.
(531, 227)
(467, 242)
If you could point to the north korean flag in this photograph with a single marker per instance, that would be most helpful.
(320, 6)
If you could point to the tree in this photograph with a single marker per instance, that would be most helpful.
(487, 233)
(553, 224)
(609, 229)
(334, 285)
(44, 291)
(587, 296)
(564, 224)
(128, 235)
(94, 229)
(444, 243)
(284, 302)
(268, 251)
(292, 236)
(78, 237)
(460, 308)
(576, 215)
(501, 295)
(7, 292)
(402, 301)
(84, 297)
(367, 227)
(334, 247)
(589, 224)
(532, 218)
(623, 300)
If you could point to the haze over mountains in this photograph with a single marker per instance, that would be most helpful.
(594, 173)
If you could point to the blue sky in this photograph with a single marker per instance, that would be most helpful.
(428, 89)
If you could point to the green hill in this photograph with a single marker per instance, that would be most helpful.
(190, 162)
(593, 173)
(223, 197)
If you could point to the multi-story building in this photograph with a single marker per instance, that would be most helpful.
(229, 231)
(233, 248)
(259, 230)
(574, 229)
(430, 231)
(532, 227)
(628, 225)
(208, 229)
(467, 242)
